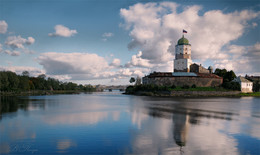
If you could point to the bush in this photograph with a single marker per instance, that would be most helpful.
(193, 86)
(129, 89)
(231, 85)
(256, 86)
(173, 86)
(185, 87)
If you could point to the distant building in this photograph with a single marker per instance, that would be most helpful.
(256, 82)
(185, 72)
(253, 78)
(245, 85)
(200, 69)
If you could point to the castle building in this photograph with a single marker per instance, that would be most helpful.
(185, 72)
(182, 60)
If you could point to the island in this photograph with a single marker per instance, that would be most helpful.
(191, 79)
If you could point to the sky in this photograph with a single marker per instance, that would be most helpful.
(110, 41)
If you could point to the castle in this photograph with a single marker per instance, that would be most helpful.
(185, 72)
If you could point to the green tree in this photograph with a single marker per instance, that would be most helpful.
(4, 82)
(229, 76)
(53, 84)
(132, 80)
(32, 87)
(13, 81)
(24, 83)
(220, 72)
(42, 83)
(26, 73)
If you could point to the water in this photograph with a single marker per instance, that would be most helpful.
(111, 123)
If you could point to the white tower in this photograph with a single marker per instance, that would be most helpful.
(182, 60)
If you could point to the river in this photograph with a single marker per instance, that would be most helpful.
(112, 123)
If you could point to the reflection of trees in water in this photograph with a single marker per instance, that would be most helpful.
(9, 104)
(12, 104)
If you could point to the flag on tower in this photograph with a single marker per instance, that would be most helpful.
(184, 31)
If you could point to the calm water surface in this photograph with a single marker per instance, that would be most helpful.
(111, 123)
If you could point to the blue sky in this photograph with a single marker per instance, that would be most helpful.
(108, 41)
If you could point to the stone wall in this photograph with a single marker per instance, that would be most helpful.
(198, 69)
(180, 81)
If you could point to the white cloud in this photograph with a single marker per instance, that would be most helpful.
(85, 66)
(107, 35)
(242, 59)
(62, 31)
(12, 52)
(138, 61)
(19, 69)
(30, 40)
(72, 63)
(156, 27)
(18, 42)
(3, 26)
(115, 63)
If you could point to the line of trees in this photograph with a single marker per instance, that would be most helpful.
(228, 76)
(10, 81)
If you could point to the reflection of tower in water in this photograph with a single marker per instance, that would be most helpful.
(181, 127)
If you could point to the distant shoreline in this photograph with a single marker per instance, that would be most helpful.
(42, 92)
(172, 93)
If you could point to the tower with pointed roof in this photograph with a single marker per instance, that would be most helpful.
(182, 60)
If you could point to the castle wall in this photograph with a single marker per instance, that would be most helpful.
(180, 81)
(198, 69)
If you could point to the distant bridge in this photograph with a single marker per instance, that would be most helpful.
(111, 88)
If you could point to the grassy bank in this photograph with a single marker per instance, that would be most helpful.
(256, 94)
